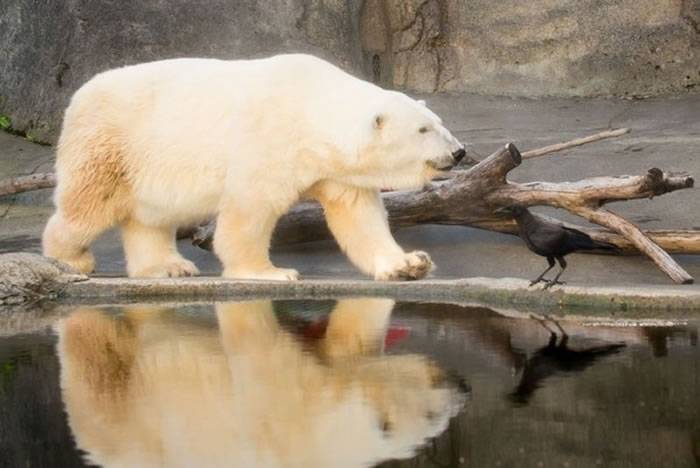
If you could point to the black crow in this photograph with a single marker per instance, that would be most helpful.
(551, 240)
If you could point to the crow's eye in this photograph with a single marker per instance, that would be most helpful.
(423, 130)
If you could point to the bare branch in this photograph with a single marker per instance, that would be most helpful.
(595, 191)
(573, 143)
(27, 183)
(632, 233)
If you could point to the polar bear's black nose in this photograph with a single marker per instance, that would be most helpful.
(459, 155)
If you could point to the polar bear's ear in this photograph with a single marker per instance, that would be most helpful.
(421, 102)
(379, 120)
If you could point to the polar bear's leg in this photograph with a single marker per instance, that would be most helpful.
(357, 327)
(69, 240)
(151, 252)
(358, 221)
(242, 242)
(248, 327)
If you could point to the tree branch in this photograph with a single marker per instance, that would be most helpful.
(27, 183)
(645, 245)
(573, 143)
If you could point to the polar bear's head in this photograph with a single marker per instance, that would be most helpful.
(405, 145)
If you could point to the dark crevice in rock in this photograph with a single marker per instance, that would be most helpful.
(690, 12)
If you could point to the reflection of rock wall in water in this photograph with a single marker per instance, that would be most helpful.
(543, 47)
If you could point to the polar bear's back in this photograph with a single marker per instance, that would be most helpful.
(144, 86)
(154, 104)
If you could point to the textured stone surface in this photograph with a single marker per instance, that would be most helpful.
(543, 47)
(491, 291)
(28, 276)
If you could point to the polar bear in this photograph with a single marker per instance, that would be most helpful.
(155, 146)
(154, 387)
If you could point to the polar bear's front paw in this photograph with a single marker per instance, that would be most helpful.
(172, 268)
(412, 266)
(274, 274)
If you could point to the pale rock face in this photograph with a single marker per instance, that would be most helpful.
(159, 145)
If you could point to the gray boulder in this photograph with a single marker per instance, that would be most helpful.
(27, 276)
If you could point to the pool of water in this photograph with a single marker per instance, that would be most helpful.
(346, 383)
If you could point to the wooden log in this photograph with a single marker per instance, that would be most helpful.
(305, 223)
(27, 183)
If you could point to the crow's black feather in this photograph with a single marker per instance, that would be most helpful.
(552, 240)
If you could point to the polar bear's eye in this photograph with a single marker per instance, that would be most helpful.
(423, 129)
(378, 122)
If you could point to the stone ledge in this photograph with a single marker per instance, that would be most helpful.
(487, 291)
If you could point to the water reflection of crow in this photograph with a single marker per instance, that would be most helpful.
(554, 358)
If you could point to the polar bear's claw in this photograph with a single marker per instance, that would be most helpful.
(415, 265)
(418, 265)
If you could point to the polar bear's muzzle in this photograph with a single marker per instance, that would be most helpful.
(447, 163)
(459, 155)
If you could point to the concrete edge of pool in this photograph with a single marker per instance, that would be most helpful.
(487, 291)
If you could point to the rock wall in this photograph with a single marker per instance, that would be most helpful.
(536, 48)
(48, 48)
(510, 47)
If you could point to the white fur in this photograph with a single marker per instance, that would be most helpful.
(183, 140)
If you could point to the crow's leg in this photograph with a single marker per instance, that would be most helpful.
(551, 283)
(563, 332)
(564, 335)
(548, 318)
(550, 260)
(552, 334)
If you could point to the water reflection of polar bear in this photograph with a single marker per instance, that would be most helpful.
(152, 387)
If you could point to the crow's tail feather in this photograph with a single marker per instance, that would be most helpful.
(583, 241)
(600, 245)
